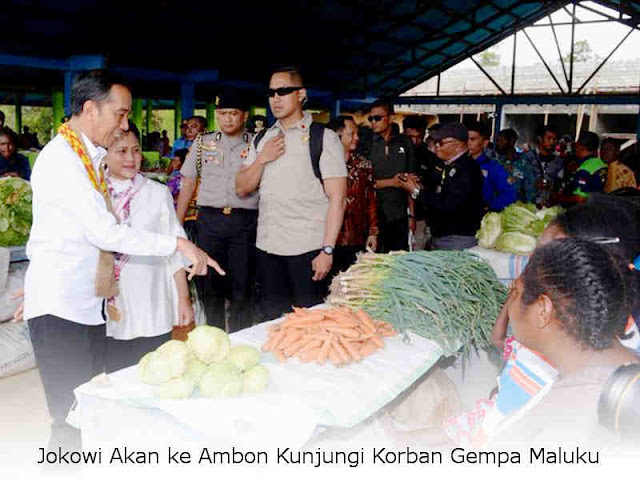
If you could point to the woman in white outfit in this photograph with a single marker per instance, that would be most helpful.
(153, 291)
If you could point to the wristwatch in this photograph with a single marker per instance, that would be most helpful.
(328, 249)
(415, 193)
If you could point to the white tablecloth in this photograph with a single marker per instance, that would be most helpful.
(299, 398)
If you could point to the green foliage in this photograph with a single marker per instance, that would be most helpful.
(489, 58)
(582, 53)
(15, 211)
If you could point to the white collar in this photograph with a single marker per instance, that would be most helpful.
(96, 154)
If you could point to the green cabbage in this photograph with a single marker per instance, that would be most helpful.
(490, 229)
(168, 361)
(517, 218)
(255, 379)
(195, 369)
(515, 242)
(209, 344)
(15, 211)
(223, 380)
(176, 388)
(244, 357)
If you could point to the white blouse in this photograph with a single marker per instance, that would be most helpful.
(148, 300)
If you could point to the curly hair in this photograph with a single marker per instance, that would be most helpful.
(587, 285)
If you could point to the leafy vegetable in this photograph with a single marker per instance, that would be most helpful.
(449, 297)
(490, 229)
(176, 388)
(195, 369)
(209, 344)
(15, 211)
(221, 380)
(155, 368)
(516, 242)
(244, 357)
(255, 379)
(517, 218)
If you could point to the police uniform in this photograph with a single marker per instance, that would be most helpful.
(226, 224)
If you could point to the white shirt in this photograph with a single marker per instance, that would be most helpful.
(148, 298)
(71, 224)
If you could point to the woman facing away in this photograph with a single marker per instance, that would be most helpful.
(153, 291)
(570, 305)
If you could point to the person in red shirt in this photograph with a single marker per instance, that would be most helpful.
(360, 225)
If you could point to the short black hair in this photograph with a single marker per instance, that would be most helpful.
(2, 117)
(540, 131)
(510, 134)
(417, 122)
(201, 120)
(589, 140)
(294, 73)
(337, 124)
(181, 154)
(10, 134)
(482, 129)
(383, 103)
(92, 85)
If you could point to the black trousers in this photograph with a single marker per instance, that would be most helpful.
(286, 281)
(68, 354)
(124, 353)
(344, 256)
(230, 240)
(394, 235)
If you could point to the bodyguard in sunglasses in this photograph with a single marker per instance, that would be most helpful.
(393, 158)
(301, 208)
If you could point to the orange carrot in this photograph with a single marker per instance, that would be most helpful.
(368, 348)
(314, 343)
(279, 356)
(377, 340)
(345, 332)
(366, 320)
(351, 349)
(342, 354)
(334, 357)
(293, 335)
(324, 350)
(278, 338)
(309, 355)
(294, 348)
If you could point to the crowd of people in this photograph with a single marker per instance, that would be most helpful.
(276, 215)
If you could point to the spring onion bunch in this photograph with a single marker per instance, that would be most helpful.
(450, 297)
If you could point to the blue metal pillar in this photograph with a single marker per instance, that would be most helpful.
(68, 79)
(335, 110)
(187, 94)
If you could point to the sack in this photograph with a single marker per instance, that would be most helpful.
(16, 352)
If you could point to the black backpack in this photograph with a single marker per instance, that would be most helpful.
(316, 136)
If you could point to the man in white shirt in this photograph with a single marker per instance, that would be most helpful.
(71, 226)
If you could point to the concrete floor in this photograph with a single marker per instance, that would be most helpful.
(24, 418)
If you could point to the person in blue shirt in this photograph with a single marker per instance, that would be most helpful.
(497, 192)
(195, 125)
(12, 164)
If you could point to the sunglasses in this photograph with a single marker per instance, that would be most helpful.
(376, 118)
(283, 91)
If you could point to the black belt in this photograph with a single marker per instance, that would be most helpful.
(227, 210)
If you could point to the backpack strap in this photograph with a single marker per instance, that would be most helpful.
(316, 138)
(258, 137)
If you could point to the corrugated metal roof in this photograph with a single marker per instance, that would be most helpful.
(346, 48)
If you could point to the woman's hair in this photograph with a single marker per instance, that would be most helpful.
(608, 217)
(588, 287)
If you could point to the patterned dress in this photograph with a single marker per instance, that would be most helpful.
(360, 215)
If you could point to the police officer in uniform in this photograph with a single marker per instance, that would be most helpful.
(226, 224)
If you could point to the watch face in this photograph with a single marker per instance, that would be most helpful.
(328, 250)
